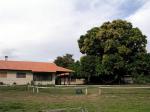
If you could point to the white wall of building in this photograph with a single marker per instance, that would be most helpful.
(11, 78)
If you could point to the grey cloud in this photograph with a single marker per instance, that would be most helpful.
(42, 30)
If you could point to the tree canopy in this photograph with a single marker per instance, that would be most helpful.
(116, 45)
(113, 37)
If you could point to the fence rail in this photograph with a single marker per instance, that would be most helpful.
(78, 109)
(110, 87)
(4, 85)
(36, 89)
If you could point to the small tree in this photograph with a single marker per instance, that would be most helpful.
(67, 61)
(64, 61)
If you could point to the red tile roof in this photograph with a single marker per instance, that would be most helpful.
(31, 66)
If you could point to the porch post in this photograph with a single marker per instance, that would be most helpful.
(54, 78)
(64, 80)
(69, 77)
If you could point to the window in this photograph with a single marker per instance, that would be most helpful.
(21, 75)
(3, 74)
(42, 77)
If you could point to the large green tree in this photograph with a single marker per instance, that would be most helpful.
(116, 44)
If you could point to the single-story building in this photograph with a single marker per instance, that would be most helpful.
(25, 72)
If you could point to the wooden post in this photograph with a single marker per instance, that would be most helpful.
(27, 87)
(99, 91)
(82, 110)
(33, 90)
(37, 89)
(69, 77)
(86, 91)
(64, 80)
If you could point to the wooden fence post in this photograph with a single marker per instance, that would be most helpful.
(37, 90)
(99, 91)
(27, 87)
(33, 90)
(86, 91)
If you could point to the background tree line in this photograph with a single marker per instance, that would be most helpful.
(111, 51)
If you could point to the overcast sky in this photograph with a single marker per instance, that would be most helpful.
(41, 30)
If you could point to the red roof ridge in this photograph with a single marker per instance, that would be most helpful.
(27, 61)
(32, 66)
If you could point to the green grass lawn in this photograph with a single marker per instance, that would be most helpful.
(18, 99)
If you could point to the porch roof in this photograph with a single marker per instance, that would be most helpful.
(31, 66)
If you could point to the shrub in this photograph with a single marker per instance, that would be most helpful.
(32, 83)
(14, 83)
(1, 83)
(141, 79)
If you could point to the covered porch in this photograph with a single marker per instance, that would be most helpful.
(49, 78)
(63, 78)
(44, 78)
